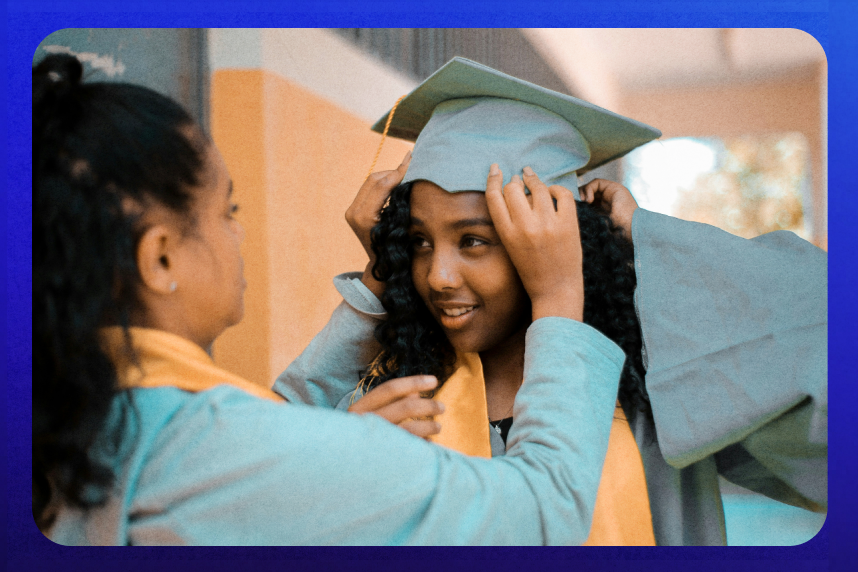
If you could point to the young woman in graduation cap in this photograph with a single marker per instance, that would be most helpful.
(139, 438)
(729, 334)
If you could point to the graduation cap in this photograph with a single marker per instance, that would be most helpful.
(466, 116)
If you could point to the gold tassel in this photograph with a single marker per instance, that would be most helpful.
(384, 135)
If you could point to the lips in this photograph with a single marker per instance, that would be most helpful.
(453, 312)
(455, 316)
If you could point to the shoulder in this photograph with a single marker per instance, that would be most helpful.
(222, 435)
(227, 418)
(224, 457)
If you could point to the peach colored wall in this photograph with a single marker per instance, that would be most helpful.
(238, 129)
(297, 162)
(790, 104)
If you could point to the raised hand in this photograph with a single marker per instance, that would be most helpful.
(614, 199)
(363, 214)
(542, 240)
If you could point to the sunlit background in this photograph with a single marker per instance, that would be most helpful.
(742, 112)
(746, 185)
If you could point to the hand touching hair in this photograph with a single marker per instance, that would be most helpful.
(413, 343)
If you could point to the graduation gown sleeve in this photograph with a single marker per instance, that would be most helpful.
(331, 365)
(735, 345)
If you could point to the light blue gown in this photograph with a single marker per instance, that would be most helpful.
(735, 344)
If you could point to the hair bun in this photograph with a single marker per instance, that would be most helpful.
(56, 76)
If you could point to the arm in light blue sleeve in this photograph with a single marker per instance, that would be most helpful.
(331, 366)
(735, 333)
(233, 469)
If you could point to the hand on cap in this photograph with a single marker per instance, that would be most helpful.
(365, 210)
(542, 241)
(614, 199)
(400, 402)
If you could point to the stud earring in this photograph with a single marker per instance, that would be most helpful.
(173, 286)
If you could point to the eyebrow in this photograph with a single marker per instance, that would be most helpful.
(229, 194)
(462, 223)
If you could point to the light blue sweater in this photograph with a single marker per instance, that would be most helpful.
(222, 467)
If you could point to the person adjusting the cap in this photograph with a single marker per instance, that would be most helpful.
(140, 439)
(724, 338)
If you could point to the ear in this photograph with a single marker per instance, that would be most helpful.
(155, 258)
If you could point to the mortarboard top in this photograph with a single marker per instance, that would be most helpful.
(466, 116)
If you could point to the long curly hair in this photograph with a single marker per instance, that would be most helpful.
(413, 343)
(96, 147)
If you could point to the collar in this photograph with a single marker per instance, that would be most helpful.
(167, 360)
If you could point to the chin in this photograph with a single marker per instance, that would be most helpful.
(464, 343)
(236, 317)
(239, 306)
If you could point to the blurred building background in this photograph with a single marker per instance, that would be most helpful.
(742, 111)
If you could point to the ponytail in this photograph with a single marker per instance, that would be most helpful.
(95, 147)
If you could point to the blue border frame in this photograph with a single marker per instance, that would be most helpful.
(833, 24)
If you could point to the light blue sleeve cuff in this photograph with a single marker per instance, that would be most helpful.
(358, 296)
(331, 366)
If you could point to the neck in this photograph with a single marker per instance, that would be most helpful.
(171, 319)
(503, 370)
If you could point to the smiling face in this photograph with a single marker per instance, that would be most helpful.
(462, 271)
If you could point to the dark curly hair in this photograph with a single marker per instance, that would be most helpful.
(413, 343)
(96, 146)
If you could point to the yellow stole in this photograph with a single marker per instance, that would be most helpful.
(168, 360)
(622, 515)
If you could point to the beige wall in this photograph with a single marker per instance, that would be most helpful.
(296, 160)
(237, 126)
(788, 104)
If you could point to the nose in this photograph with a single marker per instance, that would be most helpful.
(444, 271)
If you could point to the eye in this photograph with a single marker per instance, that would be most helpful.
(473, 241)
(419, 242)
(233, 208)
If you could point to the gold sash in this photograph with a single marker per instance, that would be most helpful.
(622, 515)
(465, 421)
(168, 360)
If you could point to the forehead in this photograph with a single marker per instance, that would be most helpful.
(214, 167)
(432, 204)
(214, 179)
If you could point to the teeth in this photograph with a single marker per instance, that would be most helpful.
(458, 311)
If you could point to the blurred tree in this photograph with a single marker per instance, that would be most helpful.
(756, 187)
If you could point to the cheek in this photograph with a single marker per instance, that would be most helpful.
(420, 277)
(503, 292)
(499, 274)
(227, 267)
